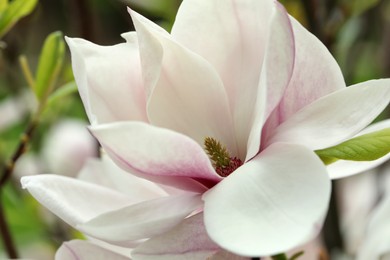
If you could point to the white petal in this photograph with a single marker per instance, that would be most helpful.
(356, 196)
(271, 204)
(156, 154)
(106, 173)
(185, 92)
(188, 240)
(72, 200)
(341, 168)
(316, 73)
(376, 243)
(142, 220)
(67, 146)
(336, 117)
(84, 250)
(275, 75)
(109, 80)
(237, 34)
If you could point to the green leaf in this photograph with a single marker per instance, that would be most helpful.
(366, 147)
(13, 12)
(49, 66)
(61, 92)
(360, 6)
(3, 5)
(162, 8)
(296, 255)
(279, 257)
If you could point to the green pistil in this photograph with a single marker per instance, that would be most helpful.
(217, 153)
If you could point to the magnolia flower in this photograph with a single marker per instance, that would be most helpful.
(15, 108)
(80, 249)
(365, 213)
(376, 242)
(67, 146)
(229, 107)
(355, 207)
(112, 190)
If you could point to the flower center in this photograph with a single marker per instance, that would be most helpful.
(223, 163)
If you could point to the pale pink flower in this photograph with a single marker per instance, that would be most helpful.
(241, 72)
(376, 241)
(67, 146)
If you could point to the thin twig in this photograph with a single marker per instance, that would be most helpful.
(25, 138)
(8, 242)
(6, 234)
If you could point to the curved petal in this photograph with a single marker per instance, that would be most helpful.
(109, 80)
(271, 204)
(142, 220)
(150, 151)
(275, 75)
(335, 117)
(70, 199)
(79, 249)
(376, 243)
(316, 74)
(188, 240)
(341, 168)
(237, 34)
(106, 173)
(186, 94)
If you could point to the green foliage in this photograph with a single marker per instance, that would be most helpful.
(25, 220)
(157, 7)
(360, 6)
(61, 92)
(12, 12)
(366, 147)
(3, 5)
(279, 257)
(165, 9)
(283, 256)
(50, 64)
(297, 255)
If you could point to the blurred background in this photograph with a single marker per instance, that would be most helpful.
(357, 33)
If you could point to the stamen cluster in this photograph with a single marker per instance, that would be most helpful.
(222, 162)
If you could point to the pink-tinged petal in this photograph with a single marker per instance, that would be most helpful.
(125, 251)
(106, 173)
(336, 117)
(237, 34)
(271, 204)
(142, 220)
(109, 80)
(341, 168)
(316, 73)
(185, 92)
(156, 154)
(275, 75)
(188, 240)
(70, 199)
(84, 250)
(376, 243)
